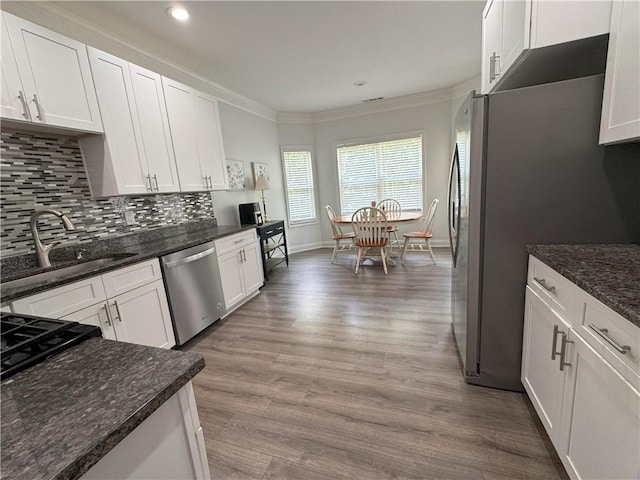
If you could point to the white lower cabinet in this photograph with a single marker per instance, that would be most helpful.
(138, 313)
(601, 424)
(240, 264)
(139, 316)
(167, 445)
(541, 376)
(582, 382)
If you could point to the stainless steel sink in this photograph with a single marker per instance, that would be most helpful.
(53, 274)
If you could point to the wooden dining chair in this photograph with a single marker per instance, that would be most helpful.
(424, 234)
(370, 229)
(338, 234)
(391, 207)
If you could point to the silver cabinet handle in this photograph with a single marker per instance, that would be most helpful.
(496, 65)
(106, 310)
(115, 303)
(555, 342)
(563, 352)
(210, 183)
(25, 108)
(39, 116)
(206, 182)
(491, 67)
(603, 332)
(543, 282)
(150, 186)
(155, 180)
(239, 241)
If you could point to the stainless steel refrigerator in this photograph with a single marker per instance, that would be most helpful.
(527, 169)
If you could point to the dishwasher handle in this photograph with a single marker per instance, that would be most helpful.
(191, 258)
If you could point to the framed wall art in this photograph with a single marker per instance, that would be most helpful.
(236, 175)
(260, 169)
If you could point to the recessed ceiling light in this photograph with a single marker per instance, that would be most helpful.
(359, 83)
(178, 13)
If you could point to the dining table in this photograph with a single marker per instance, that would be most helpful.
(392, 217)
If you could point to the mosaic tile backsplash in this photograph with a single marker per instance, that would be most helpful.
(46, 171)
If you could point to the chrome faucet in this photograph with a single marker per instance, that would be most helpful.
(42, 252)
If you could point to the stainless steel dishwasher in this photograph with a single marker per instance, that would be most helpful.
(192, 278)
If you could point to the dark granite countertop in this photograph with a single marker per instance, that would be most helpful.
(610, 273)
(141, 246)
(63, 415)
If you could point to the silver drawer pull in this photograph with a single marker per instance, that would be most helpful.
(543, 282)
(563, 352)
(106, 311)
(603, 333)
(239, 241)
(115, 303)
(554, 342)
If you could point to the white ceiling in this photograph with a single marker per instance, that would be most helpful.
(304, 56)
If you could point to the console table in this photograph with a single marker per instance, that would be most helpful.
(273, 239)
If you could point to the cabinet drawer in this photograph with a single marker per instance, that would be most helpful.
(610, 335)
(128, 278)
(61, 301)
(559, 293)
(231, 242)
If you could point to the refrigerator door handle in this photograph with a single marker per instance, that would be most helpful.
(452, 208)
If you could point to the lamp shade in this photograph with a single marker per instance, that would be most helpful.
(262, 183)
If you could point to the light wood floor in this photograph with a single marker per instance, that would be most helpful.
(330, 375)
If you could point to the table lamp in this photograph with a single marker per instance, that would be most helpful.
(262, 183)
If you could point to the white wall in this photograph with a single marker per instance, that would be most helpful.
(432, 119)
(250, 138)
(302, 237)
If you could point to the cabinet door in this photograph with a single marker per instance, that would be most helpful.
(601, 418)
(56, 76)
(516, 31)
(12, 91)
(122, 149)
(209, 136)
(142, 316)
(183, 135)
(541, 375)
(231, 276)
(154, 129)
(621, 100)
(491, 42)
(96, 315)
(252, 267)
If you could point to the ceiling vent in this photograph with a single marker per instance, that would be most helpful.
(377, 99)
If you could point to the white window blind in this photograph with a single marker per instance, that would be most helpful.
(298, 172)
(375, 171)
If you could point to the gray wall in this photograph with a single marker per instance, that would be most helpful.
(432, 119)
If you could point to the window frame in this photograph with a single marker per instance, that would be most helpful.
(379, 139)
(300, 148)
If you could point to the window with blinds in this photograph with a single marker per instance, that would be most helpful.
(298, 172)
(375, 171)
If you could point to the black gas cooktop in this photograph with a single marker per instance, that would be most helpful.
(26, 340)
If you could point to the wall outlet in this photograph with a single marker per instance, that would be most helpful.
(129, 217)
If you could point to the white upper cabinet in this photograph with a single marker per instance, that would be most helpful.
(511, 28)
(197, 140)
(154, 129)
(621, 101)
(209, 136)
(135, 155)
(54, 78)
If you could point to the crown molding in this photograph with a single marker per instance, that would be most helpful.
(64, 21)
(294, 117)
(388, 104)
(463, 89)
